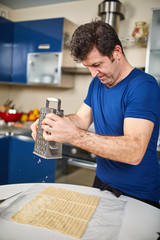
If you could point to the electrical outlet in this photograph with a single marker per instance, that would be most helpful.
(3, 13)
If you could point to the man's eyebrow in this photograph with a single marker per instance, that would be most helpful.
(92, 65)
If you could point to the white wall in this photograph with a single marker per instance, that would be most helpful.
(79, 12)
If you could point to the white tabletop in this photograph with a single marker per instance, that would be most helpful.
(141, 221)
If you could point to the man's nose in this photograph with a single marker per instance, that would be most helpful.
(93, 72)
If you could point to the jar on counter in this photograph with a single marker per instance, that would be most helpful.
(140, 32)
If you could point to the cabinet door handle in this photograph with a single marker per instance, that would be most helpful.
(44, 46)
(82, 163)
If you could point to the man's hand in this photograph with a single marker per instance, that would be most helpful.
(58, 129)
(33, 127)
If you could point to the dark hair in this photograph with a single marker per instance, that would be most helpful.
(95, 34)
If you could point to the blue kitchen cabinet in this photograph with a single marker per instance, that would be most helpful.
(33, 37)
(18, 164)
(47, 32)
(4, 158)
(20, 49)
(6, 44)
(26, 167)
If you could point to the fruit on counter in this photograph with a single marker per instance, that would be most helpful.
(31, 115)
(35, 111)
(24, 117)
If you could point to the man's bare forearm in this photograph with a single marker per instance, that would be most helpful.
(128, 148)
(121, 148)
(76, 120)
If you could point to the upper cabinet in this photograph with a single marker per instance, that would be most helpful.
(20, 51)
(46, 35)
(153, 47)
(41, 50)
(6, 40)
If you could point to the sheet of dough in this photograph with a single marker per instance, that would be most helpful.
(59, 209)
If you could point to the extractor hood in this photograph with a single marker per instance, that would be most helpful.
(111, 11)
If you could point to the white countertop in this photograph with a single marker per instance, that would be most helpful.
(141, 221)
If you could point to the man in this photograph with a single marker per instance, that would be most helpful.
(123, 102)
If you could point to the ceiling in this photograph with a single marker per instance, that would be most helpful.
(18, 4)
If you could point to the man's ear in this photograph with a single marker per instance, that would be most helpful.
(117, 52)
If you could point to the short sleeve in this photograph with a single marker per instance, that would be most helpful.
(144, 101)
(88, 100)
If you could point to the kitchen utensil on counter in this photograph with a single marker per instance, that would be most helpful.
(10, 116)
(6, 106)
(43, 148)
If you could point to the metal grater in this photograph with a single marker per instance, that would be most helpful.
(43, 148)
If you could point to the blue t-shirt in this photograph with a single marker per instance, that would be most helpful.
(136, 96)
